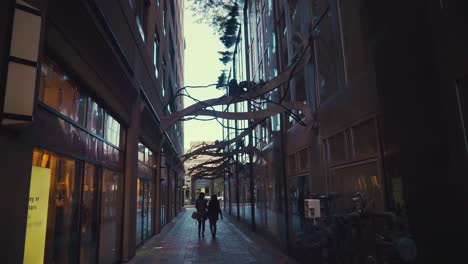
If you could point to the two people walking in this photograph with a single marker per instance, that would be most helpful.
(208, 211)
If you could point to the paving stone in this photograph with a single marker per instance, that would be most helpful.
(179, 243)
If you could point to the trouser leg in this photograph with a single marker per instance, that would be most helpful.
(203, 227)
(199, 226)
(211, 227)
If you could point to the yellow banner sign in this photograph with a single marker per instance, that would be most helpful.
(34, 245)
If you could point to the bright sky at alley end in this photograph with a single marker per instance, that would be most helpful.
(201, 67)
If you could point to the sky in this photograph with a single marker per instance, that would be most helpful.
(201, 67)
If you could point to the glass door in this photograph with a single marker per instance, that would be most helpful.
(89, 226)
(62, 236)
(139, 212)
(110, 239)
(144, 211)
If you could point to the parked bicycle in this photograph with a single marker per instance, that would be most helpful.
(363, 235)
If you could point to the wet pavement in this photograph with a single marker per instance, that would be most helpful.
(179, 243)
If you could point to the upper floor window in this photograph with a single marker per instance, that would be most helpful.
(146, 156)
(163, 89)
(156, 54)
(326, 58)
(140, 9)
(164, 20)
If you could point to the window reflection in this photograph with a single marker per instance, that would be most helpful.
(337, 148)
(139, 218)
(365, 139)
(95, 117)
(111, 217)
(89, 215)
(61, 93)
(360, 178)
(141, 152)
(62, 238)
(112, 130)
(156, 54)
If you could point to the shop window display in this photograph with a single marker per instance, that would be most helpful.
(62, 237)
(75, 233)
(58, 91)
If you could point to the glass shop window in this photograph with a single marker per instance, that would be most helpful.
(151, 159)
(112, 130)
(111, 217)
(95, 118)
(303, 159)
(365, 139)
(63, 174)
(59, 92)
(146, 155)
(361, 178)
(337, 148)
(141, 152)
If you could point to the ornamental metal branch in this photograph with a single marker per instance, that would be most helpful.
(225, 158)
(220, 145)
(209, 162)
(285, 76)
(213, 171)
(261, 114)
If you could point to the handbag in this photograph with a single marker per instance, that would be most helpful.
(195, 215)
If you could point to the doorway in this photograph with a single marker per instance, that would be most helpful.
(144, 219)
(84, 201)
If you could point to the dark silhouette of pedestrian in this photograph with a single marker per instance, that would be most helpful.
(201, 205)
(213, 211)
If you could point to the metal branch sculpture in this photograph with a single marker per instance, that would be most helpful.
(255, 92)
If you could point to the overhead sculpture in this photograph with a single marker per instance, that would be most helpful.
(244, 91)
(199, 108)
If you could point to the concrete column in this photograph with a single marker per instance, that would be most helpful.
(130, 183)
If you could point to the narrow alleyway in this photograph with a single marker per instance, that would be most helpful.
(179, 243)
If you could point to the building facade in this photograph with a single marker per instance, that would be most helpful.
(387, 88)
(82, 89)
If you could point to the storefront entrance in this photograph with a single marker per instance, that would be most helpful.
(144, 219)
(84, 201)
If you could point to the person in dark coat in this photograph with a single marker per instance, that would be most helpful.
(201, 205)
(214, 210)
